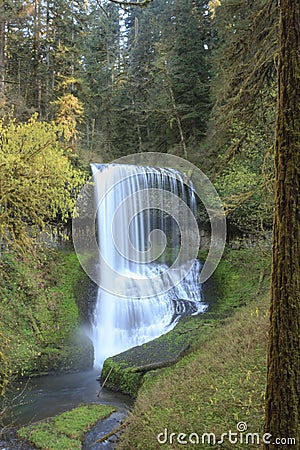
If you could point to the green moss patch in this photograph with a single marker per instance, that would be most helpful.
(39, 316)
(65, 431)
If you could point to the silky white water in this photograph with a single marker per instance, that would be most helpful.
(145, 233)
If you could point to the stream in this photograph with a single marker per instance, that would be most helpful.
(50, 395)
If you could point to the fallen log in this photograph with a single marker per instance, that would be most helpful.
(108, 435)
(104, 382)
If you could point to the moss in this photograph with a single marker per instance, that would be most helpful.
(39, 317)
(126, 371)
(65, 431)
(120, 377)
(45, 438)
(247, 268)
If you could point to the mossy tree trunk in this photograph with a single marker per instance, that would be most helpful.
(283, 379)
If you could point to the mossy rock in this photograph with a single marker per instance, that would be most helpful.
(39, 314)
(73, 354)
(125, 372)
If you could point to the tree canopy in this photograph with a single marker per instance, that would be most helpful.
(192, 78)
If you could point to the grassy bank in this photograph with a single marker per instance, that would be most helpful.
(39, 316)
(67, 430)
(221, 382)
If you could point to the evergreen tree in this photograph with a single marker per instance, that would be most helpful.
(244, 68)
(190, 65)
(135, 94)
(15, 56)
(167, 75)
(41, 55)
(100, 66)
(244, 106)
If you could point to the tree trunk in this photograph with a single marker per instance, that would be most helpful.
(283, 379)
(47, 46)
(176, 113)
(37, 51)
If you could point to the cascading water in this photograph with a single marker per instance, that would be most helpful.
(141, 213)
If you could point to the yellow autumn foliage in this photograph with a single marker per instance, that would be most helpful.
(69, 111)
(38, 183)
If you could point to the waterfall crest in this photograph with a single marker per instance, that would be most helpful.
(146, 235)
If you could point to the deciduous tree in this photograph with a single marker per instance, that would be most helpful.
(38, 183)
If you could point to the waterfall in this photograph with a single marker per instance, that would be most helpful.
(148, 278)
